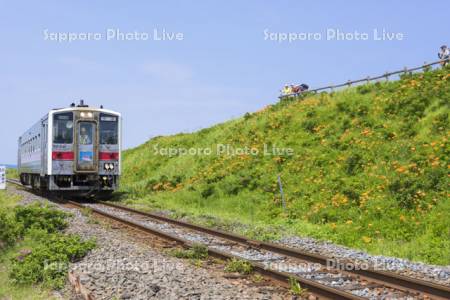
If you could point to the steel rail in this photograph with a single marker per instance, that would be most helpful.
(393, 279)
(283, 278)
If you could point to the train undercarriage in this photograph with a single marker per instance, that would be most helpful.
(85, 185)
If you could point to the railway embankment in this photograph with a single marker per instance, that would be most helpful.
(365, 167)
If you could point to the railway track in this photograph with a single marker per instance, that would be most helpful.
(275, 261)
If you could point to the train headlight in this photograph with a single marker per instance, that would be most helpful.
(109, 166)
(86, 114)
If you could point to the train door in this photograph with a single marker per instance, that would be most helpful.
(44, 150)
(86, 159)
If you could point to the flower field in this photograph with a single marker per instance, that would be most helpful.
(369, 168)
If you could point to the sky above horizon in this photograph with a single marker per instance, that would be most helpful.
(209, 61)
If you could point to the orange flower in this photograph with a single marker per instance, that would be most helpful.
(366, 132)
(401, 169)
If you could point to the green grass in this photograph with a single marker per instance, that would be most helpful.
(197, 251)
(37, 229)
(369, 170)
(239, 266)
(8, 200)
(295, 287)
(7, 289)
(12, 173)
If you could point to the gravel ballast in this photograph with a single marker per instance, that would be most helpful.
(436, 274)
(126, 269)
(122, 268)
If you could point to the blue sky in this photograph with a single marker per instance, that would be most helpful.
(222, 68)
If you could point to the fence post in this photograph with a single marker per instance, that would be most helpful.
(283, 200)
(386, 75)
(349, 82)
(367, 79)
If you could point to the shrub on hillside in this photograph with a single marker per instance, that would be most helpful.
(42, 217)
(310, 125)
(440, 122)
(353, 164)
(9, 229)
(48, 262)
(208, 191)
(364, 89)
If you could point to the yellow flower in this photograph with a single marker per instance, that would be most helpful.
(349, 222)
(366, 239)
(333, 225)
(402, 218)
(369, 225)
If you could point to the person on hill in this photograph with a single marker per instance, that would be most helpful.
(304, 87)
(287, 90)
(296, 89)
(444, 54)
(300, 88)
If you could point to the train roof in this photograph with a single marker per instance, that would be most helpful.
(83, 107)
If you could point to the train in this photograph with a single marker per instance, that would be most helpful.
(74, 150)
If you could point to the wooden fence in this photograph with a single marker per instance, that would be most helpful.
(369, 79)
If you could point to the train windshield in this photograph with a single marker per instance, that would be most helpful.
(63, 128)
(108, 129)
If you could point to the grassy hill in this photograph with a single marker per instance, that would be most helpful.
(369, 169)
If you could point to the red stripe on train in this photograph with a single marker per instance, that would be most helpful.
(108, 155)
(57, 155)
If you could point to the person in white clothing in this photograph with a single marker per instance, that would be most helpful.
(444, 54)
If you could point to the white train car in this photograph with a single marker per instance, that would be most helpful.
(73, 150)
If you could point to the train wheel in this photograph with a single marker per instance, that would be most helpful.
(22, 179)
(36, 182)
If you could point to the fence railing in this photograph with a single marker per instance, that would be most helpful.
(368, 79)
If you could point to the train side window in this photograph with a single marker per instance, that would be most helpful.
(108, 129)
(63, 128)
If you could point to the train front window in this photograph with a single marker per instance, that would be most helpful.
(63, 128)
(86, 133)
(108, 129)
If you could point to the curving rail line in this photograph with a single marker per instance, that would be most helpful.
(389, 285)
